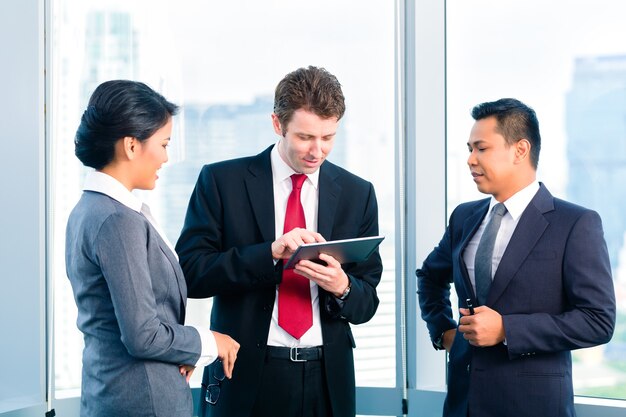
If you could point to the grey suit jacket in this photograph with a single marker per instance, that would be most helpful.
(131, 295)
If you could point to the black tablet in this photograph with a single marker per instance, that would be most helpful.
(345, 250)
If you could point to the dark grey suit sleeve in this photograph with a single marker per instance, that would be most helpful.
(124, 254)
(588, 286)
(434, 280)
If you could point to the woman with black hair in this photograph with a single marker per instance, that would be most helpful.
(127, 283)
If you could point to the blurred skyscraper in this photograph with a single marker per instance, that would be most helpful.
(596, 143)
(111, 49)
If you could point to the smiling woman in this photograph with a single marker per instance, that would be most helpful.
(128, 286)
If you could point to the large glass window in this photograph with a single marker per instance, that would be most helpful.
(221, 62)
(567, 60)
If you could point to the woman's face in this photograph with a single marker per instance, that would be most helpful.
(151, 154)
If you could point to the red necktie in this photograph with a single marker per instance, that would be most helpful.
(294, 293)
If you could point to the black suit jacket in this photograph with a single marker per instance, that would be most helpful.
(554, 290)
(225, 252)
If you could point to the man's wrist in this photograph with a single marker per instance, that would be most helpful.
(438, 342)
(346, 292)
(444, 341)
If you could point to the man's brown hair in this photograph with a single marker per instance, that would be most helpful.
(312, 89)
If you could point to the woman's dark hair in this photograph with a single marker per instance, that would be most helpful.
(117, 109)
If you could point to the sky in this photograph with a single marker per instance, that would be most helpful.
(231, 52)
(526, 50)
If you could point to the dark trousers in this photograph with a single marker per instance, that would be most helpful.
(292, 389)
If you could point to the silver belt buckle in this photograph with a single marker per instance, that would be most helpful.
(293, 355)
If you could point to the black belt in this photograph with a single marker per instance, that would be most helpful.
(295, 354)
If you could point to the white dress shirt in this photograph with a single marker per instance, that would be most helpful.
(105, 184)
(515, 206)
(309, 197)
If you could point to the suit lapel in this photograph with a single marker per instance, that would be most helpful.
(260, 190)
(178, 273)
(470, 225)
(529, 230)
(329, 192)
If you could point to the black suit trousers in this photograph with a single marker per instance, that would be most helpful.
(292, 389)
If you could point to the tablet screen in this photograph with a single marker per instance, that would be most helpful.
(345, 251)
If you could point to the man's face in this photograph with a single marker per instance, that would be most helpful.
(307, 141)
(492, 161)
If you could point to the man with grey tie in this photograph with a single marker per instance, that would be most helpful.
(532, 276)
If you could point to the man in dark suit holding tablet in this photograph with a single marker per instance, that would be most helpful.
(245, 217)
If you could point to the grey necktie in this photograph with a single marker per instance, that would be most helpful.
(484, 254)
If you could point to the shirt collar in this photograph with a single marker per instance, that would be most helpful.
(517, 203)
(281, 171)
(103, 183)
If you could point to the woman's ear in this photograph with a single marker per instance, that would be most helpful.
(129, 145)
